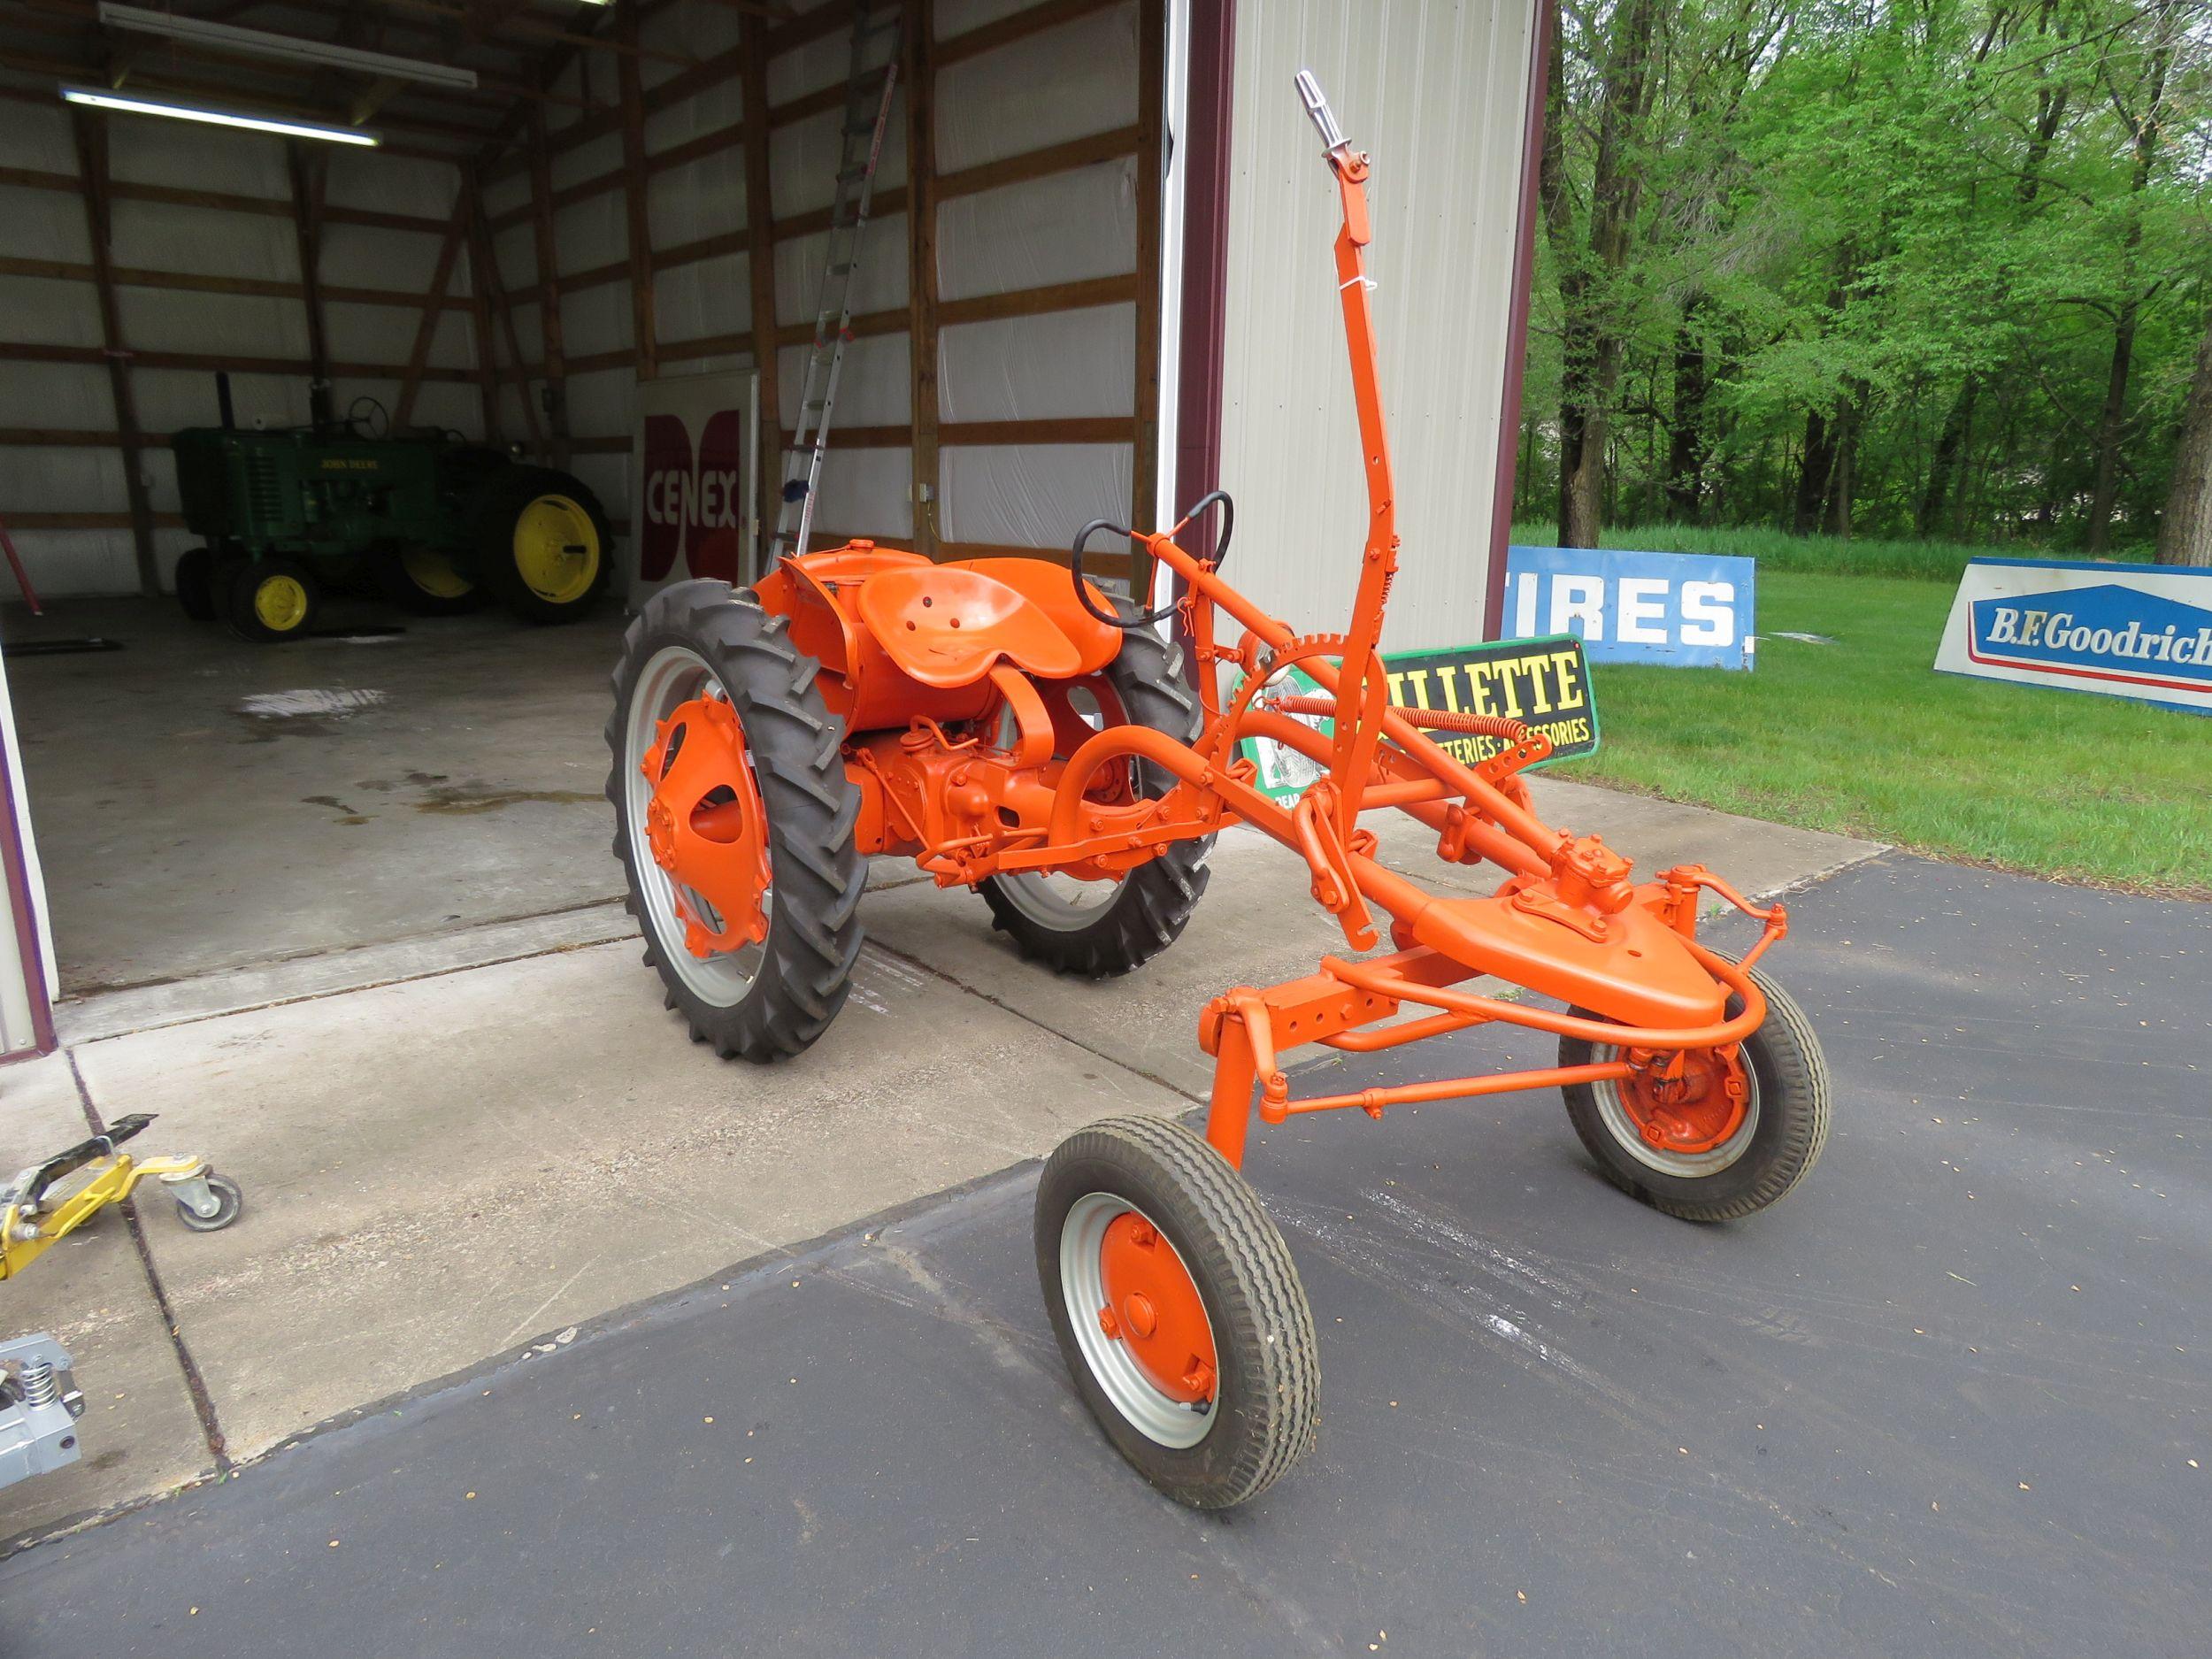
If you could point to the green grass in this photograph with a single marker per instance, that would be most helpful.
(1863, 738)
(1777, 551)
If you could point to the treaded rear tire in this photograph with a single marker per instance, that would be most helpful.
(1155, 901)
(811, 807)
(1266, 1414)
(1794, 1110)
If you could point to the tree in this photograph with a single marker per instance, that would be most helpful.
(2185, 532)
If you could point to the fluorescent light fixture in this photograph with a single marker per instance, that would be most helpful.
(290, 47)
(137, 104)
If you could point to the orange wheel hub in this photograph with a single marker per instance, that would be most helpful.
(1687, 1101)
(706, 827)
(1154, 1309)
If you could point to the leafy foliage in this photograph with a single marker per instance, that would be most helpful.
(1912, 268)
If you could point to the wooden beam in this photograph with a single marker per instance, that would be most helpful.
(483, 276)
(1006, 30)
(549, 291)
(1144, 470)
(91, 521)
(638, 219)
(919, 45)
(92, 168)
(310, 181)
(426, 325)
(195, 282)
(973, 433)
(760, 248)
(208, 362)
(279, 207)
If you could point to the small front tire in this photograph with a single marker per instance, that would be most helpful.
(268, 600)
(195, 584)
(1177, 1309)
(1743, 1162)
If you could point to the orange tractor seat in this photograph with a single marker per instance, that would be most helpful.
(950, 625)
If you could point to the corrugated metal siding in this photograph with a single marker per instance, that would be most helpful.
(1434, 90)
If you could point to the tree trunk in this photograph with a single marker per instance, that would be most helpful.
(1813, 468)
(2111, 420)
(2112, 425)
(2185, 532)
(1945, 467)
(1591, 344)
(1685, 436)
(1843, 472)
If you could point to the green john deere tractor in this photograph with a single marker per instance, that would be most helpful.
(433, 522)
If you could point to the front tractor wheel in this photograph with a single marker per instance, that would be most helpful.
(1099, 928)
(735, 821)
(269, 600)
(1716, 1134)
(1177, 1309)
(542, 543)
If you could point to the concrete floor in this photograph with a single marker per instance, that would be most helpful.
(448, 1159)
(442, 778)
(1948, 1397)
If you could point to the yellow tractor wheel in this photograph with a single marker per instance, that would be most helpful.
(271, 599)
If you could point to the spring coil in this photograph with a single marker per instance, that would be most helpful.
(37, 1383)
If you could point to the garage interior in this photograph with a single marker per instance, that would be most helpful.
(509, 263)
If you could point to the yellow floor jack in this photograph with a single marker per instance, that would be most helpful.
(39, 1402)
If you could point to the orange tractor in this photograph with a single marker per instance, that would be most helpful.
(1021, 733)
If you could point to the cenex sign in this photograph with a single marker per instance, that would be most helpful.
(692, 481)
(2137, 630)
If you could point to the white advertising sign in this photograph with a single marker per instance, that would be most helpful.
(2137, 630)
(693, 460)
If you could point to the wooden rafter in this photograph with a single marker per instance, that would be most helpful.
(919, 46)
(311, 176)
(637, 219)
(760, 249)
(92, 168)
(549, 291)
(1144, 470)
(432, 303)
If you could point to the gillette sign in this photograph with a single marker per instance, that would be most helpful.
(691, 477)
(2137, 630)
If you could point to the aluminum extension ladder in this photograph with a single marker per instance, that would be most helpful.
(862, 150)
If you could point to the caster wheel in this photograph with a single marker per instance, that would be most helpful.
(229, 1201)
(1735, 1131)
(1177, 1309)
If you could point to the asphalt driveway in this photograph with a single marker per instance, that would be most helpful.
(1952, 1395)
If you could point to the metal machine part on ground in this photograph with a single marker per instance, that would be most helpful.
(39, 1408)
(1017, 734)
(431, 521)
(34, 1217)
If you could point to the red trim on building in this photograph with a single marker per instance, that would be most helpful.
(1203, 147)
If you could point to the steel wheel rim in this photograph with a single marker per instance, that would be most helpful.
(1620, 1123)
(1165, 1421)
(280, 603)
(555, 549)
(433, 574)
(1052, 898)
(675, 675)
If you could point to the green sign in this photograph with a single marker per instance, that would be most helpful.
(1543, 683)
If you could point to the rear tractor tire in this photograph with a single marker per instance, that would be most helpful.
(542, 543)
(195, 584)
(1741, 1130)
(1177, 1309)
(268, 600)
(735, 821)
(1099, 928)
